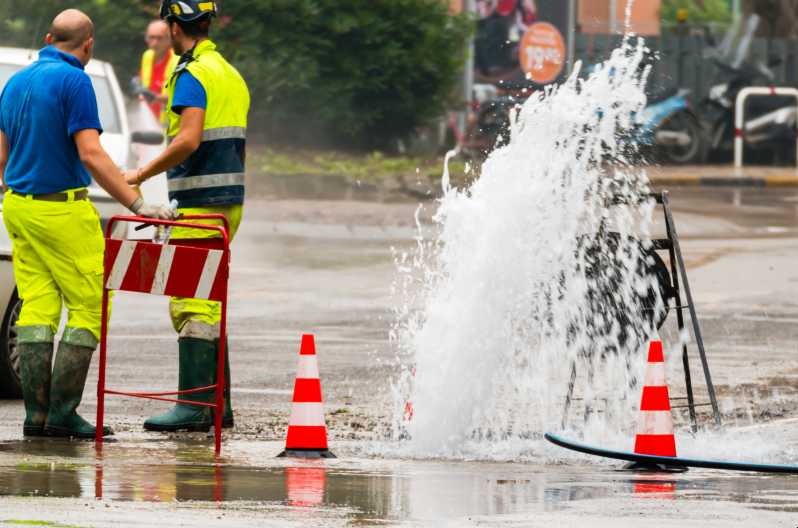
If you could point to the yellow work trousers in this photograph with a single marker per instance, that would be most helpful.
(183, 310)
(58, 257)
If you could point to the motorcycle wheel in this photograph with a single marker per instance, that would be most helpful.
(691, 153)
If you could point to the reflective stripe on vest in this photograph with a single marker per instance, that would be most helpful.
(187, 183)
(224, 133)
(214, 173)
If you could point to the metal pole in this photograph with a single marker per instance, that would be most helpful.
(688, 379)
(98, 434)
(691, 306)
(613, 22)
(468, 74)
(571, 37)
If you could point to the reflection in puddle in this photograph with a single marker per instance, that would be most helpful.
(397, 490)
(304, 486)
(654, 486)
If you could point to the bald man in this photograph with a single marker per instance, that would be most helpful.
(157, 64)
(49, 145)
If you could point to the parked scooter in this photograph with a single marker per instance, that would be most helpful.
(667, 130)
(669, 126)
(770, 121)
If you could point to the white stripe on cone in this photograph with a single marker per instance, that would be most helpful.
(308, 368)
(655, 422)
(655, 375)
(311, 414)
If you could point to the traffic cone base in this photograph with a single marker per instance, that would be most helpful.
(306, 453)
(307, 430)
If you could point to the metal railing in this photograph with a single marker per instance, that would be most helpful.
(739, 114)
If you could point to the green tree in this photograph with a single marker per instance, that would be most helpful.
(338, 72)
(700, 11)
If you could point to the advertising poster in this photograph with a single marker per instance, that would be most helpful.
(521, 42)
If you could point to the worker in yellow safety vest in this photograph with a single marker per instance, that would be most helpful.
(158, 64)
(208, 103)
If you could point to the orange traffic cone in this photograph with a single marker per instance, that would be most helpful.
(655, 429)
(307, 431)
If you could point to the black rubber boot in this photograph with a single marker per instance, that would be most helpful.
(227, 419)
(35, 365)
(66, 391)
(197, 367)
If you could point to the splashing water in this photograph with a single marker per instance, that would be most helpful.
(523, 281)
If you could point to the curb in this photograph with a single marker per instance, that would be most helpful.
(725, 181)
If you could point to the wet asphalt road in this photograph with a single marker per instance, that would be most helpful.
(320, 261)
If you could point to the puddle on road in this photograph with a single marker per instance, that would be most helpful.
(362, 489)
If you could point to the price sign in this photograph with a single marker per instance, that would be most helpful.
(542, 52)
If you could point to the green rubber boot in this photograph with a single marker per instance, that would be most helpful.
(227, 419)
(66, 390)
(35, 365)
(197, 366)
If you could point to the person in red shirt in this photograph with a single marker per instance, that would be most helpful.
(157, 64)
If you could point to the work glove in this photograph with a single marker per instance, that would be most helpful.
(161, 212)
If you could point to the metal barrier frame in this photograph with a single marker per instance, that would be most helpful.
(679, 284)
(739, 115)
(219, 385)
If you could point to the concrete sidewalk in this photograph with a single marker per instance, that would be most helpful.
(723, 176)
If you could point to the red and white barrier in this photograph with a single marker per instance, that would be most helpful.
(178, 271)
(195, 268)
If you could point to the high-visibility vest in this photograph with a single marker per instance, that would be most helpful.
(214, 173)
(147, 63)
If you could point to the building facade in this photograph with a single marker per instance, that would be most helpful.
(609, 16)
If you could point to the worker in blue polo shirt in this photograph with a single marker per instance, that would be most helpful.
(49, 144)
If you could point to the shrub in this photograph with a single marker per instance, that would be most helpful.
(700, 12)
(336, 72)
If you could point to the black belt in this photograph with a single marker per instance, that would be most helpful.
(55, 197)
